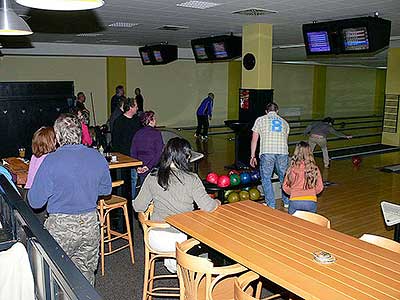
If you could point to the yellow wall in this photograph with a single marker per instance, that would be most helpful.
(234, 83)
(116, 75)
(174, 91)
(88, 74)
(350, 91)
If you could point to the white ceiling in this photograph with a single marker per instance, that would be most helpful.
(63, 27)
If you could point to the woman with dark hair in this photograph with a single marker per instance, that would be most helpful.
(174, 189)
(147, 144)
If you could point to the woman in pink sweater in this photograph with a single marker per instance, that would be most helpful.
(303, 180)
(43, 142)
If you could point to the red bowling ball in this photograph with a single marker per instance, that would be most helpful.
(212, 178)
(224, 181)
(356, 160)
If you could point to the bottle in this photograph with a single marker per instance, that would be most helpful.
(101, 150)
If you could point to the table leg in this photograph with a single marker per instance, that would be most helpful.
(397, 232)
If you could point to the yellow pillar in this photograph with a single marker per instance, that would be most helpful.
(319, 92)
(234, 82)
(116, 75)
(379, 91)
(392, 92)
(257, 40)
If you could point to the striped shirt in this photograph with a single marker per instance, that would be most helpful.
(274, 132)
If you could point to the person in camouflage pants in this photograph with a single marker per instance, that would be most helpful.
(79, 236)
(70, 181)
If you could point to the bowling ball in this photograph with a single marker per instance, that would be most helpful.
(245, 178)
(356, 160)
(227, 193)
(233, 172)
(235, 179)
(223, 181)
(254, 194)
(255, 175)
(212, 178)
(244, 195)
(233, 197)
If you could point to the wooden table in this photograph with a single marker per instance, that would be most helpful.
(124, 161)
(18, 168)
(279, 247)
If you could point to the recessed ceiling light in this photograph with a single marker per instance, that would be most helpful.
(253, 11)
(62, 4)
(89, 34)
(198, 4)
(123, 24)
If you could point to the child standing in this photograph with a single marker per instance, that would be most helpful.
(43, 142)
(303, 180)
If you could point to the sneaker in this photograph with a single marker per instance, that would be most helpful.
(204, 137)
(196, 135)
(286, 206)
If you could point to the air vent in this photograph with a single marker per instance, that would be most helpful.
(198, 4)
(172, 27)
(254, 11)
(89, 34)
(123, 24)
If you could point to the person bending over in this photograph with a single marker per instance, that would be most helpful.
(204, 114)
(303, 180)
(174, 189)
(69, 181)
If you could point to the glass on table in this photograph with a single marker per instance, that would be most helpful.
(21, 152)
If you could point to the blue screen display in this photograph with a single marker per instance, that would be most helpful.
(355, 39)
(318, 41)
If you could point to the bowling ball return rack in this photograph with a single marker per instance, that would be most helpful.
(213, 188)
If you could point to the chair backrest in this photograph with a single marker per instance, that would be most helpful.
(381, 242)
(312, 217)
(242, 288)
(198, 277)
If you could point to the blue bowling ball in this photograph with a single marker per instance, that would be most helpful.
(255, 175)
(245, 178)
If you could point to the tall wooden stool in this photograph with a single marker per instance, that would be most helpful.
(150, 257)
(105, 206)
(244, 291)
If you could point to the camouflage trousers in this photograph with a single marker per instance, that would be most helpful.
(79, 237)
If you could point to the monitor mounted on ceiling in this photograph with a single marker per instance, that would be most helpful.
(217, 48)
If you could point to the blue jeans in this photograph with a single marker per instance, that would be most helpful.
(134, 178)
(305, 205)
(269, 162)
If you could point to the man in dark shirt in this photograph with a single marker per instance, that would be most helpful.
(116, 114)
(119, 92)
(125, 127)
(139, 99)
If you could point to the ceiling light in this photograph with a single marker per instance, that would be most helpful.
(123, 24)
(62, 4)
(254, 11)
(89, 34)
(198, 4)
(10, 23)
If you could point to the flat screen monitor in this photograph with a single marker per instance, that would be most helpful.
(157, 56)
(318, 42)
(219, 50)
(200, 52)
(145, 57)
(355, 39)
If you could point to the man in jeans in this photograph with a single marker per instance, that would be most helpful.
(273, 132)
(204, 113)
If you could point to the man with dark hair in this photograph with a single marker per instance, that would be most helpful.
(80, 105)
(139, 99)
(318, 132)
(70, 180)
(116, 113)
(204, 113)
(273, 132)
(125, 127)
(115, 100)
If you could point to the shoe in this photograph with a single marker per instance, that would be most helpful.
(196, 135)
(327, 166)
(286, 206)
(204, 137)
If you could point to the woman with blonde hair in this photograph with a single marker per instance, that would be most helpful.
(43, 142)
(303, 180)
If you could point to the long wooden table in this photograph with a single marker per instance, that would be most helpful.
(279, 247)
(124, 161)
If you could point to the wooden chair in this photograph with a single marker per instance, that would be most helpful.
(381, 242)
(244, 291)
(199, 279)
(105, 206)
(150, 257)
(313, 217)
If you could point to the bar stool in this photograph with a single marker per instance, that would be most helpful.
(105, 206)
(381, 242)
(199, 279)
(244, 291)
(313, 217)
(150, 257)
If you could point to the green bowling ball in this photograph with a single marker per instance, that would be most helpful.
(244, 195)
(235, 179)
(254, 194)
(233, 197)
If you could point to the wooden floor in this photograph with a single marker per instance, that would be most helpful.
(352, 204)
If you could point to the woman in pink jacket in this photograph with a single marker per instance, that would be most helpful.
(303, 180)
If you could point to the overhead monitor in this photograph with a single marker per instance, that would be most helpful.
(158, 54)
(217, 48)
(318, 41)
(200, 52)
(355, 39)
